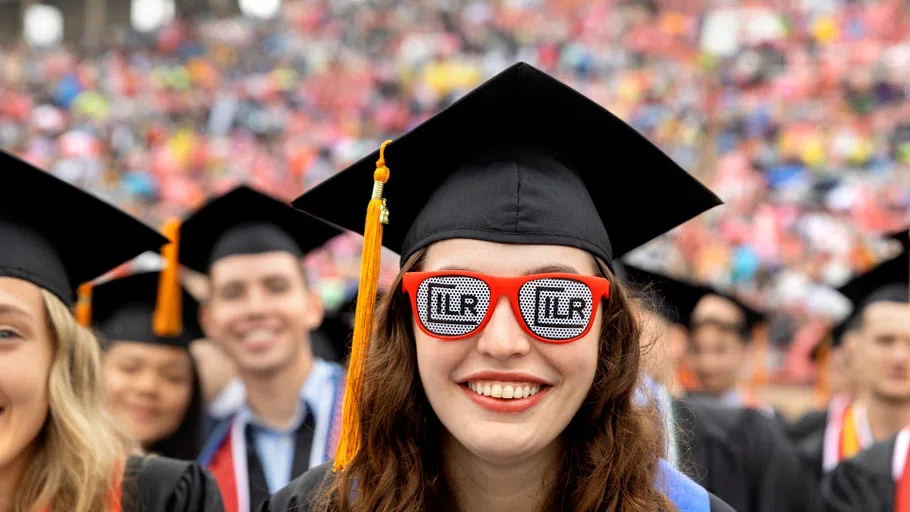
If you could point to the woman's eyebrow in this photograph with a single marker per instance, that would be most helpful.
(553, 269)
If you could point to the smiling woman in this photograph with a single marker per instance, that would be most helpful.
(59, 450)
(503, 363)
(152, 387)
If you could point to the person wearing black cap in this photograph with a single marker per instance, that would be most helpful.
(834, 357)
(505, 356)
(665, 320)
(737, 453)
(60, 451)
(151, 384)
(881, 404)
(862, 449)
(720, 329)
(261, 310)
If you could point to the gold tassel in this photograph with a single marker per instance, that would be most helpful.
(377, 215)
(168, 319)
(83, 311)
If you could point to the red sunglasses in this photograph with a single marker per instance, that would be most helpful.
(553, 307)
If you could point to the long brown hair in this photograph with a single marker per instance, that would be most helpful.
(612, 445)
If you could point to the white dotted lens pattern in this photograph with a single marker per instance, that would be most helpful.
(452, 305)
(555, 309)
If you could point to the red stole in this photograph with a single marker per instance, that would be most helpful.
(902, 481)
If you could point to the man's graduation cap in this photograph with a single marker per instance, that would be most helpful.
(124, 308)
(57, 236)
(522, 159)
(245, 221)
(887, 282)
(674, 298)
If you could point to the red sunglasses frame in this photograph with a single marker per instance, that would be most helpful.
(499, 286)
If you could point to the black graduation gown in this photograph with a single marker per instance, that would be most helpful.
(299, 495)
(743, 456)
(159, 484)
(863, 483)
(808, 437)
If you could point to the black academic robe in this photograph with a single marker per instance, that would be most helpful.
(808, 437)
(303, 491)
(159, 484)
(743, 456)
(863, 483)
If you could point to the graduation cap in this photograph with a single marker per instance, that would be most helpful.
(124, 308)
(675, 299)
(57, 236)
(887, 282)
(521, 159)
(245, 221)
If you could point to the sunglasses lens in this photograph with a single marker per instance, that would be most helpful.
(452, 305)
(556, 308)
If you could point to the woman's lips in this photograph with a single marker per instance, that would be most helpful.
(505, 405)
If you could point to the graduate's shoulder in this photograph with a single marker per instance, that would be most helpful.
(875, 460)
(862, 483)
(718, 505)
(161, 483)
(710, 417)
(807, 425)
(301, 492)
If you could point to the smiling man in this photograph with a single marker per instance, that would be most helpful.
(262, 311)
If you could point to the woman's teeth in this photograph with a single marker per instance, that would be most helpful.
(502, 390)
(257, 335)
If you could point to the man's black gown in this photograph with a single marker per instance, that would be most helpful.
(743, 456)
(863, 483)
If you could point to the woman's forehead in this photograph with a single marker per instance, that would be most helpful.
(506, 259)
(22, 296)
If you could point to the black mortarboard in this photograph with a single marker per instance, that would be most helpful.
(887, 282)
(244, 221)
(674, 299)
(57, 236)
(123, 309)
(521, 159)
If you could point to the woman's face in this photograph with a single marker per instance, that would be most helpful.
(26, 354)
(148, 388)
(509, 357)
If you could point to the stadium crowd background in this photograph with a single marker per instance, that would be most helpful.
(795, 112)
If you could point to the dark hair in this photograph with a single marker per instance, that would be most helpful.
(186, 442)
(612, 444)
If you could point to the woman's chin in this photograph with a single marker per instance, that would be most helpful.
(502, 444)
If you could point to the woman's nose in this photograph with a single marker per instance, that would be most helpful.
(503, 337)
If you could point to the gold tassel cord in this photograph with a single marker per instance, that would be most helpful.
(377, 215)
(168, 319)
(83, 312)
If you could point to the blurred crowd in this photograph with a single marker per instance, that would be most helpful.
(795, 112)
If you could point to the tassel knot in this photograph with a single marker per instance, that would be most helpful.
(83, 311)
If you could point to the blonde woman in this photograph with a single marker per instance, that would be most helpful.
(59, 450)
